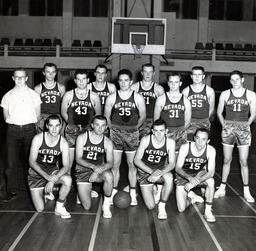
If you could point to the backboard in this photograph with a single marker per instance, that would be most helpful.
(138, 35)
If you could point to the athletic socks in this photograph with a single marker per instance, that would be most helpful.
(106, 207)
(162, 215)
(134, 201)
(208, 212)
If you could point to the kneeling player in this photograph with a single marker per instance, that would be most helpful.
(46, 151)
(94, 157)
(155, 158)
(195, 167)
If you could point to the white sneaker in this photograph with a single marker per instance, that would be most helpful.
(49, 196)
(106, 211)
(78, 200)
(94, 194)
(194, 198)
(126, 189)
(134, 201)
(220, 193)
(162, 215)
(209, 216)
(249, 198)
(61, 211)
(156, 194)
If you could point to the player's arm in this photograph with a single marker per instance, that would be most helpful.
(80, 142)
(5, 113)
(65, 104)
(185, 91)
(140, 103)
(65, 158)
(211, 99)
(159, 90)
(188, 112)
(211, 155)
(96, 103)
(220, 109)
(160, 101)
(112, 88)
(170, 164)
(38, 89)
(62, 89)
(108, 108)
(252, 103)
(135, 87)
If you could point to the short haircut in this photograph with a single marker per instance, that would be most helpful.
(198, 67)
(50, 65)
(174, 74)
(125, 72)
(51, 117)
(147, 65)
(203, 130)
(101, 66)
(19, 69)
(239, 73)
(99, 117)
(159, 122)
(81, 71)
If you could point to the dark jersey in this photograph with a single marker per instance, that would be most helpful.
(153, 157)
(48, 157)
(51, 99)
(150, 100)
(199, 103)
(173, 113)
(80, 112)
(94, 153)
(237, 108)
(124, 112)
(194, 164)
(103, 93)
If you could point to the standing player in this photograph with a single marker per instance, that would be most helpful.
(155, 158)
(150, 91)
(101, 86)
(125, 112)
(47, 149)
(195, 167)
(51, 93)
(175, 110)
(202, 98)
(240, 108)
(94, 157)
(78, 108)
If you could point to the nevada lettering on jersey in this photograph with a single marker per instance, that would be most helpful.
(49, 152)
(196, 160)
(81, 103)
(50, 92)
(197, 96)
(148, 94)
(94, 149)
(101, 93)
(155, 152)
(174, 106)
(125, 104)
(237, 101)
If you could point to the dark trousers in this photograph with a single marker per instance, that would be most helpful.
(18, 143)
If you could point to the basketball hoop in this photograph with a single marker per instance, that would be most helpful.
(138, 49)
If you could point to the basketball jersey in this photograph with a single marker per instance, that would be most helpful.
(199, 103)
(51, 99)
(124, 112)
(173, 113)
(80, 112)
(150, 100)
(153, 157)
(94, 153)
(237, 108)
(102, 94)
(194, 164)
(48, 157)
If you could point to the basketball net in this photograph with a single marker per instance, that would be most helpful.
(138, 49)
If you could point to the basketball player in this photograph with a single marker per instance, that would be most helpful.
(47, 150)
(175, 110)
(78, 108)
(94, 158)
(240, 108)
(195, 166)
(51, 93)
(101, 86)
(202, 98)
(155, 158)
(150, 91)
(125, 112)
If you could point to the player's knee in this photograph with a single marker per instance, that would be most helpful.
(210, 182)
(108, 176)
(66, 180)
(168, 179)
(227, 161)
(243, 162)
(150, 206)
(181, 208)
(39, 208)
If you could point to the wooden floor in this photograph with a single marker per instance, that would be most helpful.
(135, 228)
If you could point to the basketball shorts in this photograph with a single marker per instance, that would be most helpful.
(146, 127)
(178, 134)
(125, 139)
(142, 178)
(36, 181)
(195, 124)
(72, 132)
(180, 181)
(83, 174)
(236, 132)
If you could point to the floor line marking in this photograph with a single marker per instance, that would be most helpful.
(95, 227)
(236, 193)
(235, 216)
(24, 230)
(217, 244)
(44, 212)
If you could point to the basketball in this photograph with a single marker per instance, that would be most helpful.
(122, 199)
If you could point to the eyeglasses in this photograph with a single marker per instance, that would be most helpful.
(19, 78)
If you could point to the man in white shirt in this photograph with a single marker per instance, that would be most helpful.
(21, 109)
